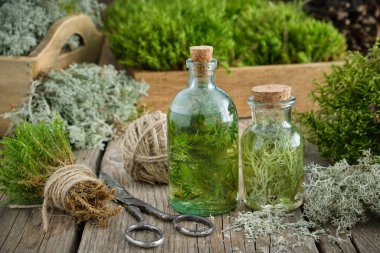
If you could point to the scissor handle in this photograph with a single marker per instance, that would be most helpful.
(144, 227)
(193, 232)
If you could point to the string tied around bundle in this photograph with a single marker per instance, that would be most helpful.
(76, 190)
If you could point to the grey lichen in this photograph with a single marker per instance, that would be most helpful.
(23, 23)
(268, 222)
(342, 194)
(89, 98)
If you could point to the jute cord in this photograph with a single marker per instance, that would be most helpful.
(145, 149)
(59, 184)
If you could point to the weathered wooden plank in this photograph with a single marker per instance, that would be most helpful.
(111, 238)
(301, 245)
(366, 237)
(342, 247)
(22, 228)
(164, 85)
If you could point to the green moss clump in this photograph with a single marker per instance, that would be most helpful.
(348, 121)
(156, 34)
(282, 33)
(29, 158)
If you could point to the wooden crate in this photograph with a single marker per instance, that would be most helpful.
(17, 73)
(165, 85)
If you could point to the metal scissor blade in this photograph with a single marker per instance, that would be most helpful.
(121, 193)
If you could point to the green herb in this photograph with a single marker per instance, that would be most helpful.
(89, 98)
(28, 159)
(349, 117)
(282, 33)
(156, 34)
(272, 168)
(24, 23)
(203, 164)
(342, 194)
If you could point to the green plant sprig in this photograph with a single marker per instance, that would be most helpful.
(349, 117)
(29, 158)
(201, 155)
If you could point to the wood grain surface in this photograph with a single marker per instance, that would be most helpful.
(238, 84)
(22, 232)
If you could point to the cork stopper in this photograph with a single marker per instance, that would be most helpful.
(201, 53)
(271, 93)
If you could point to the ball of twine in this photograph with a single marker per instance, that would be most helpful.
(76, 190)
(145, 148)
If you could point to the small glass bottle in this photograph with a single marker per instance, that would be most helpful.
(202, 142)
(272, 151)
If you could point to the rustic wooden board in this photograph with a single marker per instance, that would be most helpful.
(165, 85)
(21, 229)
(366, 237)
(111, 238)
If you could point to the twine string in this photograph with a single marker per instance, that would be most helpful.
(59, 184)
(145, 149)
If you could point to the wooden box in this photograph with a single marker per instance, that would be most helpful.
(17, 73)
(165, 85)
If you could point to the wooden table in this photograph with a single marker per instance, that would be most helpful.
(21, 229)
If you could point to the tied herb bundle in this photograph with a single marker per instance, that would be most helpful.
(349, 117)
(90, 99)
(37, 165)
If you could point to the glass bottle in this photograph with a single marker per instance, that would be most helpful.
(272, 151)
(202, 142)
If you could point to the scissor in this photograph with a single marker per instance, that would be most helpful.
(136, 207)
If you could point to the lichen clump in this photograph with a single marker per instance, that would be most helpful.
(88, 98)
(342, 194)
(24, 23)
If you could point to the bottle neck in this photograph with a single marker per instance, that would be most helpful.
(202, 74)
(272, 113)
(268, 116)
(196, 81)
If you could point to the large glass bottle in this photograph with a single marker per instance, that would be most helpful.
(202, 142)
(272, 151)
